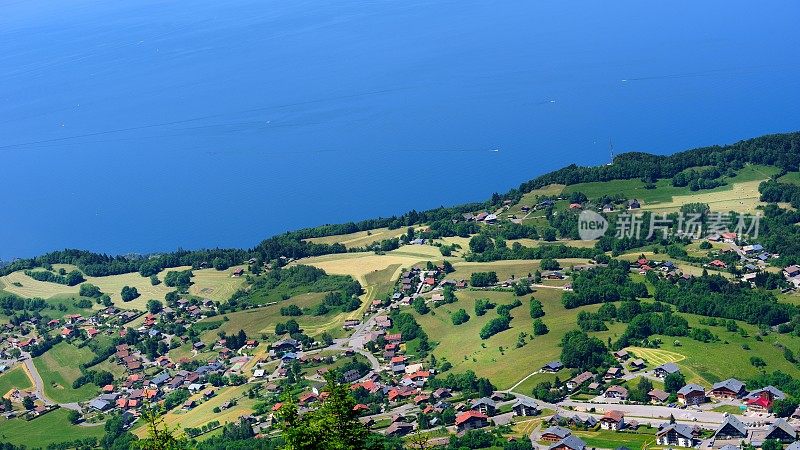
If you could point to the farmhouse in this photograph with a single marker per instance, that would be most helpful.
(569, 443)
(618, 392)
(676, 434)
(658, 396)
(691, 394)
(579, 380)
(665, 369)
(525, 407)
(761, 400)
(485, 405)
(471, 420)
(726, 390)
(555, 434)
(781, 431)
(553, 366)
(731, 428)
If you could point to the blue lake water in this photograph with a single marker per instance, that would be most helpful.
(148, 125)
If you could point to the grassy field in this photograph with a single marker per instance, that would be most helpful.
(504, 269)
(613, 439)
(58, 368)
(462, 346)
(15, 378)
(263, 319)
(569, 242)
(215, 284)
(51, 428)
(208, 283)
(739, 194)
(203, 413)
(692, 356)
(360, 238)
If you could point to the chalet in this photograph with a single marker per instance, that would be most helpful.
(579, 380)
(613, 420)
(781, 431)
(676, 434)
(555, 434)
(481, 216)
(637, 364)
(553, 366)
(421, 398)
(238, 272)
(731, 428)
(658, 396)
(398, 364)
(99, 405)
(285, 345)
(618, 392)
(612, 373)
(726, 390)
(189, 404)
(485, 405)
(691, 394)
(728, 237)
(442, 393)
(634, 204)
(525, 407)
(468, 217)
(491, 218)
(471, 420)
(665, 369)
(791, 271)
(398, 429)
(761, 400)
(718, 264)
(396, 338)
(593, 386)
(621, 355)
(350, 376)
(569, 443)
(306, 398)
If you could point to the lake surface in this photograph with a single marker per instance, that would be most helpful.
(150, 125)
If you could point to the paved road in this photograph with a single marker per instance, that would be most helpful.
(38, 384)
(33, 374)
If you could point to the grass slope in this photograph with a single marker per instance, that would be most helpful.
(51, 428)
(58, 368)
(15, 378)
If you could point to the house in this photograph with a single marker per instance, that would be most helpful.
(613, 420)
(791, 271)
(552, 366)
(658, 396)
(350, 376)
(781, 431)
(471, 420)
(555, 434)
(618, 392)
(665, 369)
(691, 394)
(525, 407)
(676, 434)
(718, 264)
(634, 204)
(484, 405)
(99, 405)
(398, 429)
(621, 355)
(238, 272)
(637, 364)
(569, 443)
(761, 400)
(728, 389)
(613, 372)
(398, 364)
(579, 380)
(731, 428)
(728, 237)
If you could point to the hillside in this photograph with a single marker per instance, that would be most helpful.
(482, 296)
